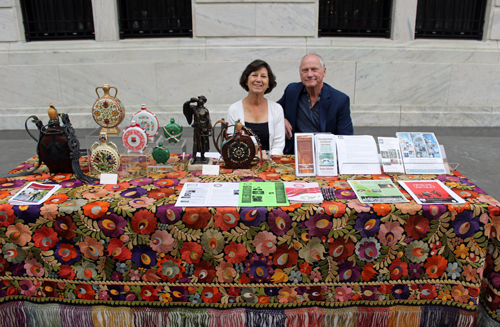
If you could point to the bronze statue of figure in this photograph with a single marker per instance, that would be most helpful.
(202, 127)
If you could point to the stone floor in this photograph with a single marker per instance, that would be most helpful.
(476, 150)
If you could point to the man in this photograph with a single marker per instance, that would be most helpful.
(312, 106)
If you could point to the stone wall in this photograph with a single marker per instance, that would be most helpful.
(391, 82)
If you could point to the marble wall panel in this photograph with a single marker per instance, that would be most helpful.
(248, 54)
(475, 85)
(8, 25)
(225, 20)
(342, 76)
(403, 54)
(94, 56)
(373, 115)
(495, 117)
(217, 81)
(136, 83)
(446, 116)
(402, 83)
(5, 3)
(286, 20)
(29, 86)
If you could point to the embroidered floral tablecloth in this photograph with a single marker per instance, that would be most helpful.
(124, 254)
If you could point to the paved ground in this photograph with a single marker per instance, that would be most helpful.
(476, 150)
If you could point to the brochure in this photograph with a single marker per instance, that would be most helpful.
(299, 192)
(34, 194)
(431, 192)
(208, 195)
(263, 194)
(304, 154)
(326, 155)
(421, 153)
(376, 191)
(357, 154)
(390, 153)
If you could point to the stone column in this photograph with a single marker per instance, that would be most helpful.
(404, 15)
(105, 20)
(491, 30)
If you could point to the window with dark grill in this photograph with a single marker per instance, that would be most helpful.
(155, 18)
(363, 18)
(57, 19)
(450, 19)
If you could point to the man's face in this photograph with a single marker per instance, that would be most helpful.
(311, 73)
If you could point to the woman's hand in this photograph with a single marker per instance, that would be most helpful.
(288, 129)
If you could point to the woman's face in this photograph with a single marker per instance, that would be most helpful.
(258, 81)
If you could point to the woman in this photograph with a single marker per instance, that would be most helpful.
(264, 117)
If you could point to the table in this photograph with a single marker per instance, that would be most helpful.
(124, 255)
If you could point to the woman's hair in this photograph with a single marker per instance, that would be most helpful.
(255, 66)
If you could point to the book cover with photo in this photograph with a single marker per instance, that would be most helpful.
(34, 194)
(431, 192)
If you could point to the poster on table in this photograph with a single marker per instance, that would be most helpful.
(431, 192)
(262, 194)
(376, 191)
(421, 153)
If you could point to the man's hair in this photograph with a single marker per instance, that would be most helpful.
(253, 67)
(321, 61)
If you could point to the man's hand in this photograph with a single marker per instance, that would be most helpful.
(288, 129)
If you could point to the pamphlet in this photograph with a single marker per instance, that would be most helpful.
(421, 153)
(34, 194)
(431, 192)
(263, 194)
(299, 192)
(304, 154)
(208, 195)
(376, 191)
(357, 154)
(326, 155)
(392, 161)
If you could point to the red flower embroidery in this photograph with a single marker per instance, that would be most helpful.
(196, 218)
(45, 238)
(144, 222)
(191, 252)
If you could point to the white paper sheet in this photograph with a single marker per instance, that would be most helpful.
(357, 154)
(208, 195)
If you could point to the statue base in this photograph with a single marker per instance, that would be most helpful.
(199, 165)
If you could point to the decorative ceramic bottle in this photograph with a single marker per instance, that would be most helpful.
(104, 156)
(148, 121)
(172, 131)
(134, 138)
(108, 111)
(161, 153)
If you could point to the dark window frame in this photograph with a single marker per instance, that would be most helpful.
(155, 18)
(358, 18)
(450, 19)
(48, 20)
